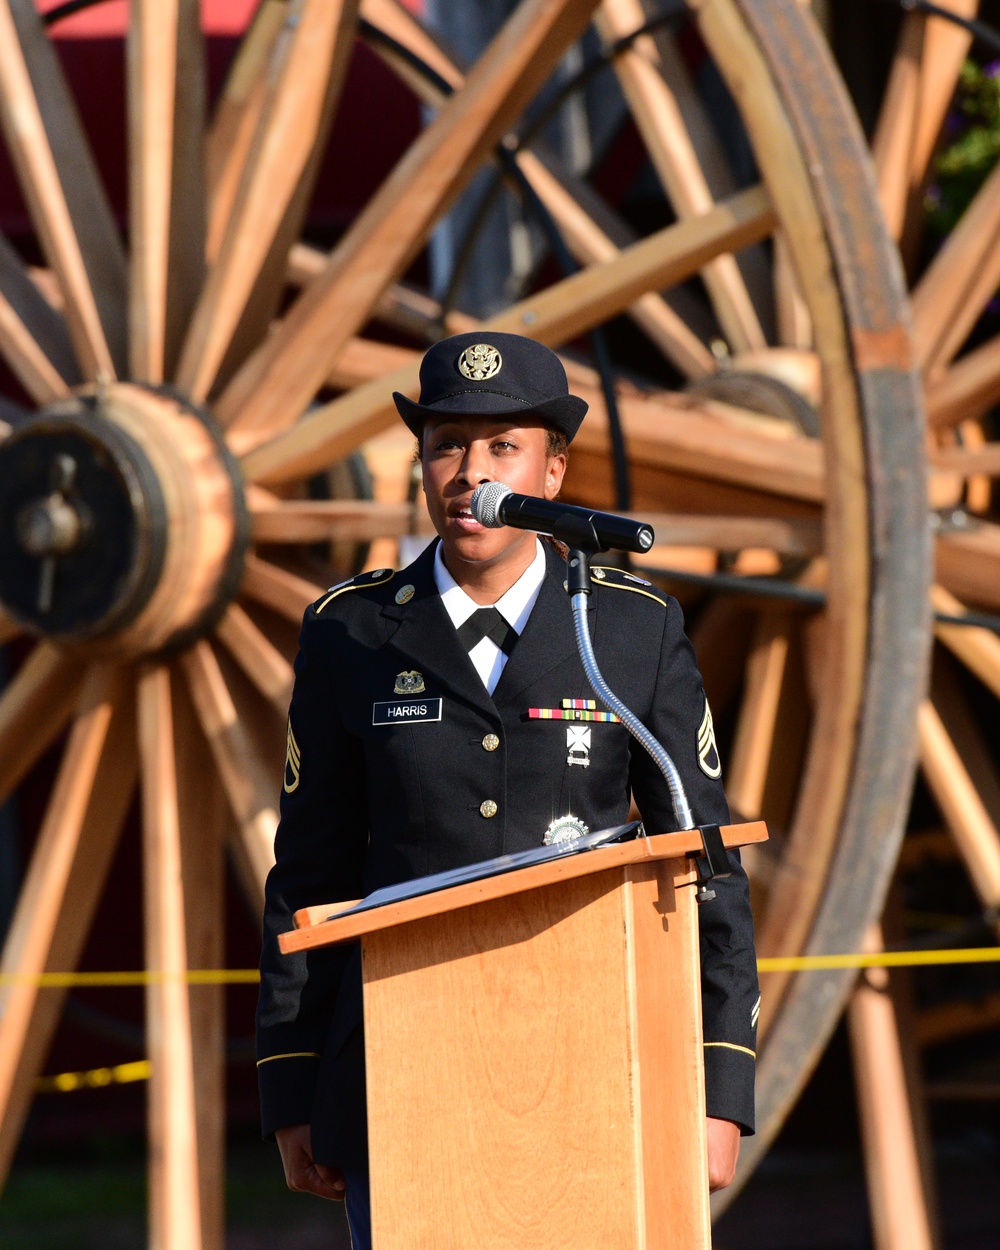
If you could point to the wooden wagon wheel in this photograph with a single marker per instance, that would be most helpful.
(151, 516)
(958, 356)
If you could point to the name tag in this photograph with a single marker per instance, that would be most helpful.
(406, 711)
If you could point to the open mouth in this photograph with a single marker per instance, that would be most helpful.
(462, 515)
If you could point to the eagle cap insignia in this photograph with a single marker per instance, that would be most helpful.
(479, 362)
(409, 683)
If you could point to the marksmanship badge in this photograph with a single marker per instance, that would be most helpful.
(409, 683)
(479, 362)
(564, 829)
(578, 745)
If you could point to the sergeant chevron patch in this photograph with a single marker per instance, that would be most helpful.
(293, 763)
(708, 754)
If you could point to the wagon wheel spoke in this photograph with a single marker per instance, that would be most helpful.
(963, 276)
(60, 184)
(968, 388)
(968, 564)
(554, 315)
(166, 122)
(307, 71)
(658, 116)
(246, 780)
(205, 826)
(34, 338)
(256, 654)
(63, 884)
(330, 520)
(283, 592)
(977, 648)
(753, 744)
(924, 72)
(955, 763)
(34, 709)
(175, 1207)
(236, 117)
(281, 378)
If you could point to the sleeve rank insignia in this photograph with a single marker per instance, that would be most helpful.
(293, 763)
(708, 754)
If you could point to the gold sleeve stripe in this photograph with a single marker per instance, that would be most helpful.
(293, 1054)
(636, 590)
(732, 1046)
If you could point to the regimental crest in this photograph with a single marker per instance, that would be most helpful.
(479, 362)
(409, 683)
(564, 829)
(708, 753)
(293, 763)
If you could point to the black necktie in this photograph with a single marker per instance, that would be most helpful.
(487, 623)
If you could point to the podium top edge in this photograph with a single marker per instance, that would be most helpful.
(319, 929)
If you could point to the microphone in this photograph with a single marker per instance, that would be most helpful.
(495, 504)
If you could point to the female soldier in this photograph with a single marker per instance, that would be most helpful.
(479, 626)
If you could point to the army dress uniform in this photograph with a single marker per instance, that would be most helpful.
(401, 763)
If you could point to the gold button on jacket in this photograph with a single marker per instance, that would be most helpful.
(487, 808)
(491, 742)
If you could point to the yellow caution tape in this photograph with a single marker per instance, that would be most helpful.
(96, 1078)
(106, 980)
(879, 959)
(141, 1070)
(251, 976)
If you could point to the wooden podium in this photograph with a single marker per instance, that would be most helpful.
(534, 1054)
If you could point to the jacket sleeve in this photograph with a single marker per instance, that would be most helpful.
(680, 719)
(319, 849)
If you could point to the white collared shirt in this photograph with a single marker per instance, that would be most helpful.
(514, 606)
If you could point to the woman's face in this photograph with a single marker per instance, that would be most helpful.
(460, 453)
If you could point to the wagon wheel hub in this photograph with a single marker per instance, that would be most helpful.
(121, 521)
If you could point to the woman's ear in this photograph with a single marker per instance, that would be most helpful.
(554, 473)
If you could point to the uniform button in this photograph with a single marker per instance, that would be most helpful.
(487, 808)
(491, 742)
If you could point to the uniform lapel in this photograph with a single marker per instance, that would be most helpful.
(422, 631)
(548, 637)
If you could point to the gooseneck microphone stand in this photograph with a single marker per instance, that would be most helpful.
(583, 544)
(579, 589)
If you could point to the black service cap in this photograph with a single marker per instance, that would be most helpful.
(483, 373)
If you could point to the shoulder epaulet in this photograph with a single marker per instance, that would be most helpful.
(618, 579)
(363, 580)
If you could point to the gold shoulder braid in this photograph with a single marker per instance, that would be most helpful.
(361, 582)
(618, 579)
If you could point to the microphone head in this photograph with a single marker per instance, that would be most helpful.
(486, 501)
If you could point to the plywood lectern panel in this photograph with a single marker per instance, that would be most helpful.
(518, 1123)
